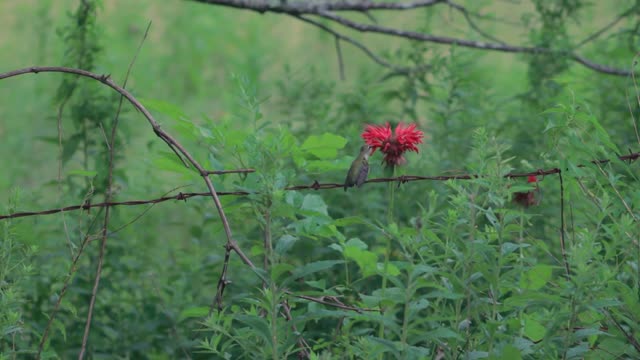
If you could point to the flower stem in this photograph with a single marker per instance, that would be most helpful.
(387, 251)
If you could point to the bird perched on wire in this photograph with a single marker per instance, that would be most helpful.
(359, 168)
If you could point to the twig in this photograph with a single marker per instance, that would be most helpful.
(634, 63)
(328, 10)
(108, 196)
(562, 243)
(472, 24)
(63, 291)
(222, 282)
(468, 43)
(304, 7)
(367, 51)
(236, 171)
(630, 337)
(606, 28)
(304, 353)
(168, 139)
(339, 54)
(332, 301)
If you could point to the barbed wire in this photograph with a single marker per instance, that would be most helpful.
(314, 186)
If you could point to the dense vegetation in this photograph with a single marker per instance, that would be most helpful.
(449, 269)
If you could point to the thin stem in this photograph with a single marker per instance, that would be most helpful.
(405, 317)
(562, 240)
(387, 251)
(268, 249)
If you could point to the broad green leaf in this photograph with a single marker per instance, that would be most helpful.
(533, 329)
(536, 277)
(392, 270)
(313, 202)
(325, 146)
(193, 312)
(511, 352)
(357, 243)
(312, 268)
(320, 284)
(366, 260)
(348, 221)
(284, 243)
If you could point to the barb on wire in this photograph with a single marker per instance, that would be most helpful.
(314, 186)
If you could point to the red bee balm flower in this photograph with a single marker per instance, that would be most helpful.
(393, 145)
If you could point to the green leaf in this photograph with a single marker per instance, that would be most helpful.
(193, 312)
(320, 284)
(312, 268)
(536, 277)
(511, 352)
(366, 260)
(348, 221)
(325, 146)
(357, 243)
(533, 329)
(392, 270)
(314, 203)
(257, 324)
(441, 333)
(284, 243)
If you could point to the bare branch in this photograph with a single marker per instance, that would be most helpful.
(606, 28)
(328, 10)
(332, 301)
(168, 139)
(339, 55)
(310, 7)
(369, 53)
(111, 142)
(469, 43)
(467, 15)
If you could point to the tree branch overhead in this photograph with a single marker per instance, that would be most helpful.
(328, 10)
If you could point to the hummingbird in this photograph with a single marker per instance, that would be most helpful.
(359, 168)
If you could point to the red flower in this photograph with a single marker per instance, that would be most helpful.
(393, 145)
(529, 198)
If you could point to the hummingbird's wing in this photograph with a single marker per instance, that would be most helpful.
(362, 176)
(348, 182)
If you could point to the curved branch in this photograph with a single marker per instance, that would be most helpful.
(469, 43)
(310, 7)
(327, 10)
(171, 142)
(367, 51)
(606, 28)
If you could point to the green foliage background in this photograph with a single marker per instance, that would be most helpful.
(459, 271)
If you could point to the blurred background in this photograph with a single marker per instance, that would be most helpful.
(246, 90)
